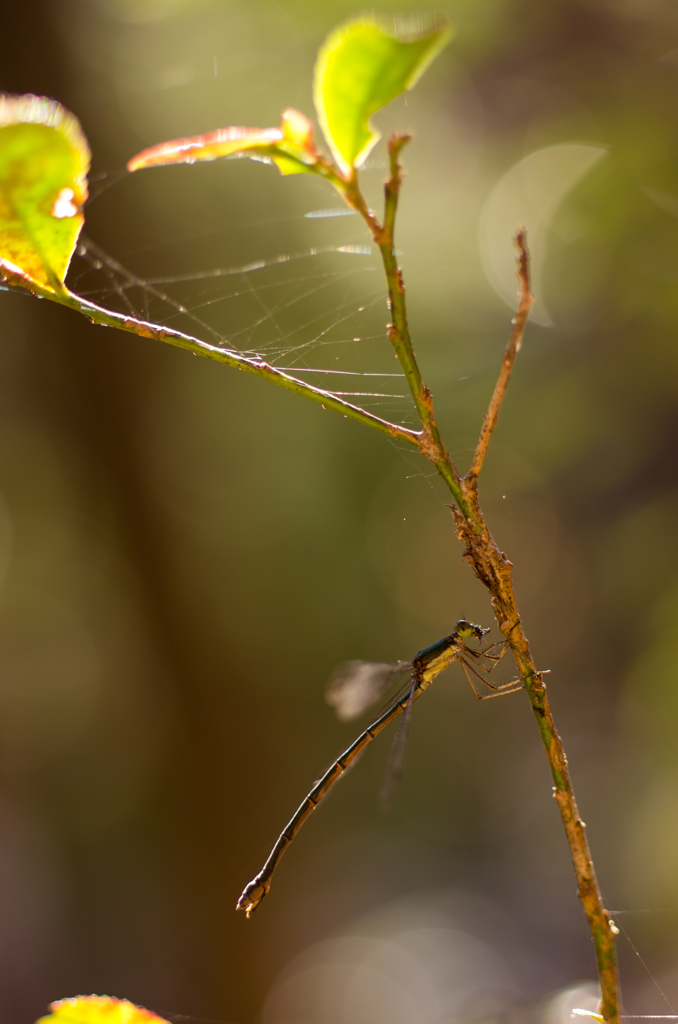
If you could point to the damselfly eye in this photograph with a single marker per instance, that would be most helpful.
(465, 628)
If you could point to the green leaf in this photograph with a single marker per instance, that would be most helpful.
(290, 147)
(99, 1010)
(44, 159)
(362, 66)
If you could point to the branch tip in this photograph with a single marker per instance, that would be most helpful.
(397, 142)
(525, 300)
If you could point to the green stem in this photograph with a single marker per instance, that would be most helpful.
(430, 441)
(107, 318)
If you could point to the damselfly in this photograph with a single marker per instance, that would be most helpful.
(352, 688)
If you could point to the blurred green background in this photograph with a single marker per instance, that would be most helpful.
(187, 552)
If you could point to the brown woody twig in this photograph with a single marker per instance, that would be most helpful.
(512, 350)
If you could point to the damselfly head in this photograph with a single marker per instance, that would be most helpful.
(464, 629)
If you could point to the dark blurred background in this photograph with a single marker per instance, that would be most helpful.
(186, 552)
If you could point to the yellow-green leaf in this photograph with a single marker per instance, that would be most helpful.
(44, 160)
(362, 66)
(99, 1010)
(290, 146)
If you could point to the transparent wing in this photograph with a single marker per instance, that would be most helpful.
(396, 757)
(355, 685)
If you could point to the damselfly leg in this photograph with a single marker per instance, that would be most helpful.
(481, 672)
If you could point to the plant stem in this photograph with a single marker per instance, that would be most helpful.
(494, 570)
(490, 565)
(107, 318)
(430, 441)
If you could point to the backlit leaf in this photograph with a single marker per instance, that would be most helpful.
(44, 160)
(361, 67)
(99, 1010)
(290, 146)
